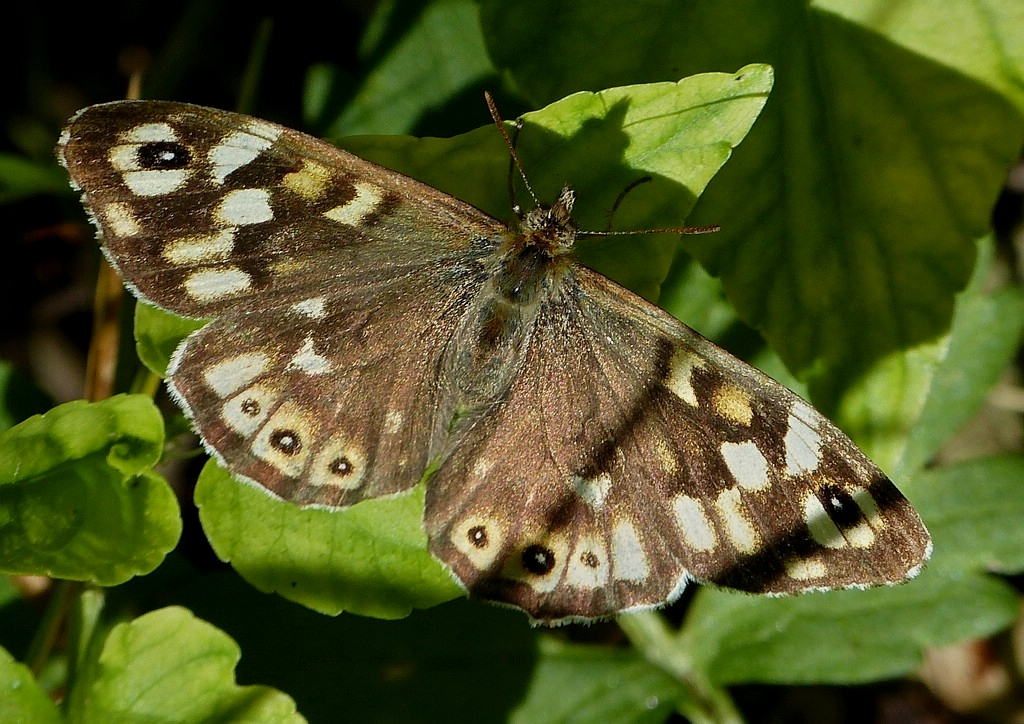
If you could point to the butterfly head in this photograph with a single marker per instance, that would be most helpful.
(550, 229)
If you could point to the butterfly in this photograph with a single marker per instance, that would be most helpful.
(586, 453)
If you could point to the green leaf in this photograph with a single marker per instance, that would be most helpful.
(22, 701)
(463, 660)
(370, 559)
(841, 637)
(169, 666)
(974, 512)
(678, 134)
(420, 55)
(158, 334)
(985, 336)
(21, 178)
(850, 213)
(576, 683)
(78, 498)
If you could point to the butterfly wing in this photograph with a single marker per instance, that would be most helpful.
(308, 260)
(632, 455)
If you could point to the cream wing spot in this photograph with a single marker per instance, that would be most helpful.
(245, 412)
(206, 285)
(366, 200)
(120, 218)
(593, 490)
(680, 377)
(244, 206)
(393, 422)
(313, 308)
(309, 182)
(588, 565)
(738, 527)
(228, 376)
(199, 249)
(480, 539)
(802, 442)
(235, 151)
(693, 522)
(733, 404)
(747, 464)
(285, 439)
(629, 562)
(308, 360)
(805, 569)
(339, 464)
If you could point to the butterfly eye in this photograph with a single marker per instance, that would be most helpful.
(840, 506)
(538, 560)
(163, 155)
(478, 536)
(341, 466)
(250, 407)
(286, 441)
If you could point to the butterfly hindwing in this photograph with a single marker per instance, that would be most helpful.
(624, 464)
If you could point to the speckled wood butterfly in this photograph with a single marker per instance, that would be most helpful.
(587, 453)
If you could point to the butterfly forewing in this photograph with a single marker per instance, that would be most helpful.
(589, 453)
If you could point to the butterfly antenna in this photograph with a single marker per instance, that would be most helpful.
(618, 202)
(514, 161)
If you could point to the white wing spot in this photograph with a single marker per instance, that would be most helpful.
(747, 464)
(629, 562)
(802, 442)
(197, 249)
(234, 151)
(309, 361)
(207, 285)
(680, 377)
(588, 565)
(151, 133)
(355, 211)
(312, 308)
(156, 183)
(694, 523)
(593, 490)
(245, 206)
(228, 376)
(730, 511)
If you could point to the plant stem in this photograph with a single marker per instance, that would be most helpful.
(704, 702)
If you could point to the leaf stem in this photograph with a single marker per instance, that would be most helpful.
(704, 703)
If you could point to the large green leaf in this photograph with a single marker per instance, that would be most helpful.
(78, 496)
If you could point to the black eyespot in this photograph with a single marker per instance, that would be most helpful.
(286, 441)
(840, 506)
(163, 156)
(341, 466)
(250, 407)
(588, 559)
(538, 560)
(477, 535)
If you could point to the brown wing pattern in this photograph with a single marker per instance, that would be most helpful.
(587, 495)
